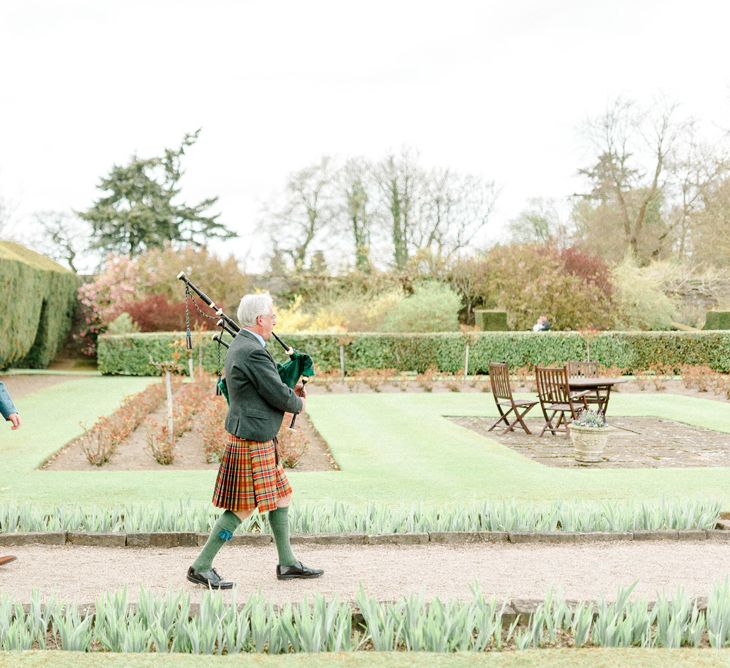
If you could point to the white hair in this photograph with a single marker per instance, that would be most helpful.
(252, 306)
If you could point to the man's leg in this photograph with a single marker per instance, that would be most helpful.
(202, 571)
(279, 522)
(289, 567)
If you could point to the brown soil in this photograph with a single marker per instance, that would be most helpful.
(528, 571)
(134, 454)
(638, 442)
(323, 385)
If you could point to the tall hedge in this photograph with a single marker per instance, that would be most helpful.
(134, 354)
(717, 320)
(39, 296)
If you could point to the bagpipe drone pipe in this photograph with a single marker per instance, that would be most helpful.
(299, 365)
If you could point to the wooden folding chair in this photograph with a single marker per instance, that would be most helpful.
(581, 368)
(502, 392)
(555, 397)
(599, 396)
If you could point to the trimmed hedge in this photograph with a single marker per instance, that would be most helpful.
(39, 296)
(491, 321)
(717, 320)
(133, 354)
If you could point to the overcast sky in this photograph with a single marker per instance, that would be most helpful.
(498, 89)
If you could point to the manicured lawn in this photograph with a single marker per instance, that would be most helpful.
(393, 448)
(568, 658)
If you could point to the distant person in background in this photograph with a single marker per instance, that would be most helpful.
(7, 408)
(10, 413)
(542, 324)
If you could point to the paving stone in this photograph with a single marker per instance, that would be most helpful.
(398, 539)
(34, 538)
(252, 539)
(716, 535)
(723, 525)
(692, 534)
(656, 535)
(330, 539)
(96, 539)
(138, 540)
(468, 536)
(173, 539)
(567, 536)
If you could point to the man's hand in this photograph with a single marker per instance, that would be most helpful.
(301, 392)
(15, 419)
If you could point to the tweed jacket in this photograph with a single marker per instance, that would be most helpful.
(258, 397)
(7, 407)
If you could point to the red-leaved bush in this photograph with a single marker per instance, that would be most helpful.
(591, 268)
(156, 314)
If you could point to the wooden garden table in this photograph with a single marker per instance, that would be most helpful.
(601, 385)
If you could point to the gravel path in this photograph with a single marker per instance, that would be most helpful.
(79, 574)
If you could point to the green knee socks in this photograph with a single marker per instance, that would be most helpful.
(222, 532)
(279, 521)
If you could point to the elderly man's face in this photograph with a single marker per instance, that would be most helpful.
(267, 322)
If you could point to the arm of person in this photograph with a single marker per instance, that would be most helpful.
(7, 407)
(263, 375)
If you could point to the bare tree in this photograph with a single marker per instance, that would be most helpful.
(540, 223)
(699, 170)
(400, 182)
(356, 208)
(631, 169)
(439, 210)
(454, 209)
(63, 237)
(306, 213)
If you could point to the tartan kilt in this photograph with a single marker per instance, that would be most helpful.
(249, 477)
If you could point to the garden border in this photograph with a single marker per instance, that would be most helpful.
(194, 539)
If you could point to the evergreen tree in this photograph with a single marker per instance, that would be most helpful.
(141, 207)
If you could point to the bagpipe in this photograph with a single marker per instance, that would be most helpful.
(300, 364)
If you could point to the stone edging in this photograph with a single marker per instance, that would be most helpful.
(193, 539)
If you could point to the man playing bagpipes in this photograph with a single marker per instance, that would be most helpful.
(250, 476)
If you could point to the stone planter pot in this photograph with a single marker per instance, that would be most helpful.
(588, 443)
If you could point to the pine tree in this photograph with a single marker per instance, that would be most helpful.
(141, 207)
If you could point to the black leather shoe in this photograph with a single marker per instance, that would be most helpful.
(298, 570)
(209, 579)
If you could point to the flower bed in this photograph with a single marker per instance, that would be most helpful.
(170, 624)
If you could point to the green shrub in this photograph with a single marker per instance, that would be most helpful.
(717, 320)
(489, 320)
(122, 324)
(38, 305)
(341, 312)
(135, 354)
(433, 307)
(528, 280)
(639, 298)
